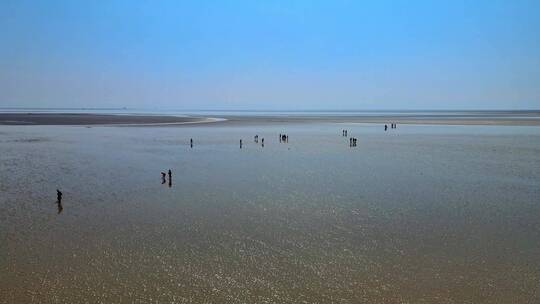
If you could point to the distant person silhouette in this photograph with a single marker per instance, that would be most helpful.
(191, 142)
(170, 178)
(385, 127)
(240, 144)
(59, 201)
(163, 180)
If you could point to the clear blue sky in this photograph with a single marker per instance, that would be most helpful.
(270, 54)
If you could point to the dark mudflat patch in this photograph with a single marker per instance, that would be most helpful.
(29, 140)
(89, 119)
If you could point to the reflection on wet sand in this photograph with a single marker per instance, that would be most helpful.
(422, 215)
(59, 205)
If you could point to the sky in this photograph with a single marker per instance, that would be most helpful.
(270, 55)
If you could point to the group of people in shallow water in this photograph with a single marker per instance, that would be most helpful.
(164, 177)
(256, 139)
(283, 138)
(352, 140)
(392, 126)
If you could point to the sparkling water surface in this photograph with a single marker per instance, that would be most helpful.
(419, 214)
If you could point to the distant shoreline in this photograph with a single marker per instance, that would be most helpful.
(442, 118)
(452, 119)
(40, 119)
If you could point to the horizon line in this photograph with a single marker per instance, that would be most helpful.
(274, 110)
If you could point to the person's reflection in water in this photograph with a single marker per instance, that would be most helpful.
(59, 205)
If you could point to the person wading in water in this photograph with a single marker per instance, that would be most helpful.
(59, 195)
(163, 179)
(59, 201)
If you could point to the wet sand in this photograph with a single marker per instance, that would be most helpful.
(418, 214)
(90, 119)
(508, 118)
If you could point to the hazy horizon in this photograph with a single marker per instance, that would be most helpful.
(271, 56)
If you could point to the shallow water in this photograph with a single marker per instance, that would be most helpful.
(420, 214)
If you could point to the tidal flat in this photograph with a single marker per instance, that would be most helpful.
(417, 214)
